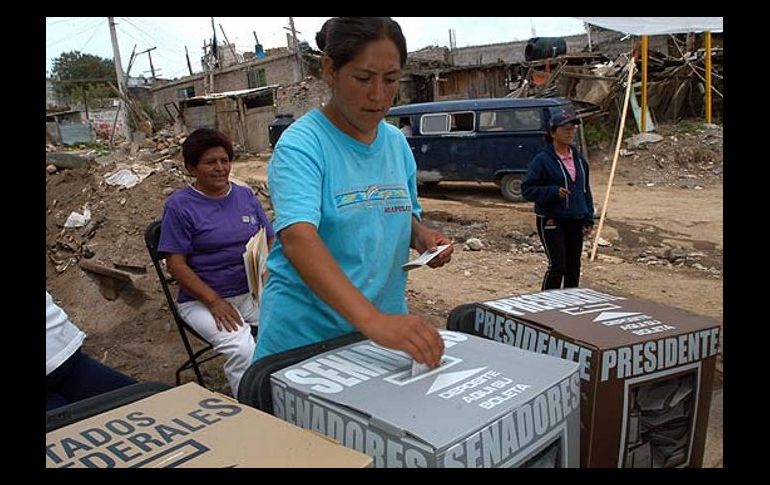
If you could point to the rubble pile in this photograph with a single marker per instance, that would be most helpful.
(690, 160)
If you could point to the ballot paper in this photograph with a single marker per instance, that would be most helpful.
(418, 368)
(424, 258)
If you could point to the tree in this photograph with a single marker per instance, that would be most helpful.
(77, 76)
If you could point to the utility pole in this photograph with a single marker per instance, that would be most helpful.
(259, 52)
(131, 61)
(152, 69)
(296, 48)
(214, 46)
(588, 34)
(214, 57)
(121, 79)
(232, 51)
(187, 55)
(85, 100)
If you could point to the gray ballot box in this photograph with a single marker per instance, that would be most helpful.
(646, 369)
(486, 405)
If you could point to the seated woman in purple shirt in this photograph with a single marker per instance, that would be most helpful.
(204, 233)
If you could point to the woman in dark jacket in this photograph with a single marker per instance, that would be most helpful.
(557, 182)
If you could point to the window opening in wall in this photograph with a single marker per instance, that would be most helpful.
(258, 101)
(184, 93)
(256, 77)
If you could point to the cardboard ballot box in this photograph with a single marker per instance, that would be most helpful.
(189, 426)
(646, 369)
(487, 405)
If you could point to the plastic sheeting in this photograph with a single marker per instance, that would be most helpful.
(656, 25)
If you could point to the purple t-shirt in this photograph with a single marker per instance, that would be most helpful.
(213, 233)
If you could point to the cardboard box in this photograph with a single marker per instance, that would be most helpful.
(487, 405)
(646, 369)
(189, 426)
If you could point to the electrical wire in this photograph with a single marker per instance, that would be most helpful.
(72, 36)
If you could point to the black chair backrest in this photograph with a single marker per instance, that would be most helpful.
(152, 239)
(80, 410)
(254, 389)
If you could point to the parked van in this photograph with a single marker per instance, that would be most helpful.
(486, 140)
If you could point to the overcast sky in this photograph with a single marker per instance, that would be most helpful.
(170, 35)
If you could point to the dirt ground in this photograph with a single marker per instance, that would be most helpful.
(662, 241)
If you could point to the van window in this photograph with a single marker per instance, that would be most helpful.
(511, 120)
(446, 122)
(462, 122)
(431, 124)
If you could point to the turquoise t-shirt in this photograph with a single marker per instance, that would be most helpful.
(361, 199)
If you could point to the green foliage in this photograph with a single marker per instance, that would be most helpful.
(77, 76)
(158, 116)
(101, 148)
(682, 127)
(602, 132)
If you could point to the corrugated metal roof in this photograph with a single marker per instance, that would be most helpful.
(657, 25)
(233, 94)
(72, 133)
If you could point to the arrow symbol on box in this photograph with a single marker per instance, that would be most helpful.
(446, 380)
(613, 315)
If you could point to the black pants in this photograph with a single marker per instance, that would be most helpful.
(80, 377)
(563, 243)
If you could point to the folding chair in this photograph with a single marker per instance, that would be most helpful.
(80, 410)
(151, 239)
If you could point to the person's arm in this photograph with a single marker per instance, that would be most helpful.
(589, 195)
(588, 222)
(536, 187)
(425, 238)
(225, 315)
(316, 266)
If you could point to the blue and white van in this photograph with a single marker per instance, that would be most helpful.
(486, 140)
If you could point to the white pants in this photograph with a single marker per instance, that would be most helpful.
(237, 346)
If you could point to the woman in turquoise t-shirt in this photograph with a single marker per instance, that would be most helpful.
(343, 186)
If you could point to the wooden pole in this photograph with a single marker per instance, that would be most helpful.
(120, 75)
(645, 48)
(708, 76)
(114, 123)
(296, 49)
(615, 158)
(187, 55)
(152, 68)
(232, 51)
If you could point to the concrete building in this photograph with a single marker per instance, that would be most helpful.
(281, 69)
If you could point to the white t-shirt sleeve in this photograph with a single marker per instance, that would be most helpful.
(62, 337)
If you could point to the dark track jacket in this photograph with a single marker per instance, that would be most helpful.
(546, 173)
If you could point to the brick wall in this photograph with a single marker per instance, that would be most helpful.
(102, 119)
(169, 92)
(279, 69)
(513, 52)
(298, 99)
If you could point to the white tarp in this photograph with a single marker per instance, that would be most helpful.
(656, 25)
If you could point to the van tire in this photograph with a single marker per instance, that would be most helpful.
(510, 187)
